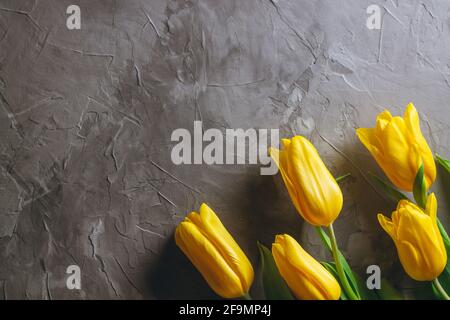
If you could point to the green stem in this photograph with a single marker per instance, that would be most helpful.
(344, 281)
(420, 188)
(342, 178)
(441, 290)
(421, 203)
(246, 296)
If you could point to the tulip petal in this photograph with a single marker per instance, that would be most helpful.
(399, 147)
(383, 119)
(208, 260)
(306, 277)
(430, 165)
(318, 277)
(211, 226)
(369, 140)
(431, 207)
(280, 159)
(386, 224)
(286, 143)
(419, 244)
(401, 159)
(319, 196)
(410, 259)
(411, 118)
(385, 115)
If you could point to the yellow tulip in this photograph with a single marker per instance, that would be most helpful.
(398, 146)
(313, 190)
(416, 235)
(214, 252)
(304, 275)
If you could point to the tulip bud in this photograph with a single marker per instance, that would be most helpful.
(213, 251)
(416, 235)
(313, 190)
(398, 146)
(304, 275)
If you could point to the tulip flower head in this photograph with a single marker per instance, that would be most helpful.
(313, 190)
(214, 252)
(416, 235)
(304, 275)
(399, 148)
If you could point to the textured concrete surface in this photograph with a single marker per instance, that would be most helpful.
(86, 117)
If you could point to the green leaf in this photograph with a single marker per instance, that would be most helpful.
(343, 177)
(390, 191)
(347, 270)
(444, 177)
(388, 292)
(441, 228)
(274, 286)
(331, 267)
(443, 162)
(444, 277)
(444, 234)
(420, 188)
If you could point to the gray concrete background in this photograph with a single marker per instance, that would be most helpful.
(86, 114)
